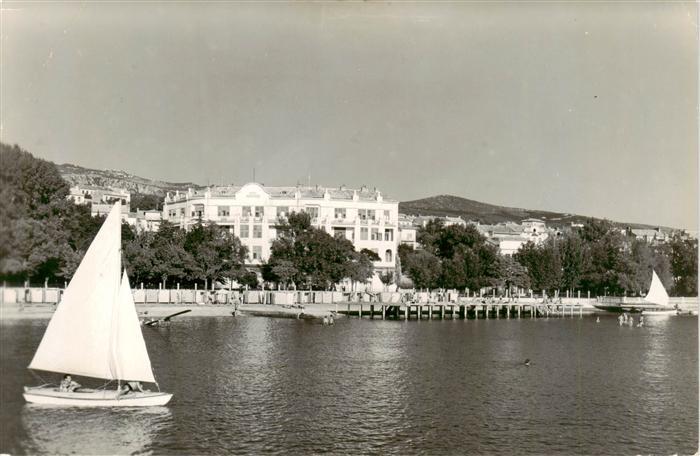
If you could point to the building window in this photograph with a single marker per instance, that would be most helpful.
(312, 211)
(339, 233)
(182, 211)
(224, 211)
(366, 214)
(257, 252)
(282, 211)
(245, 231)
(363, 234)
(375, 234)
(257, 231)
(340, 212)
(387, 215)
(388, 256)
(259, 211)
(388, 235)
(246, 211)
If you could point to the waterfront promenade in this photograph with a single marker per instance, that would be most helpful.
(18, 302)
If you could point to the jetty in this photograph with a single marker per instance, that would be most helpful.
(439, 310)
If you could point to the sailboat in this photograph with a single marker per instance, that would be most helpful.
(656, 302)
(95, 332)
(657, 299)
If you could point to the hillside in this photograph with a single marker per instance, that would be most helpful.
(436, 205)
(77, 175)
(456, 206)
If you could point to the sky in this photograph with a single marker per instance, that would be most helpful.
(577, 107)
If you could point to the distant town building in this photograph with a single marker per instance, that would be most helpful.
(100, 199)
(252, 211)
(148, 220)
(422, 220)
(509, 237)
(408, 231)
(651, 236)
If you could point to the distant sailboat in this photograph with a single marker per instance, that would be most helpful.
(657, 298)
(95, 331)
(656, 302)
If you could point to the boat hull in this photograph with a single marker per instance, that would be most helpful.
(94, 398)
(652, 312)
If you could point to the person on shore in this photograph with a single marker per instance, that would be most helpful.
(68, 385)
(631, 322)
(620, 320)
(597, 320)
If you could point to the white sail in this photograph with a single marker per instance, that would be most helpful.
(129, 352)
(657, 293)
(78, 337)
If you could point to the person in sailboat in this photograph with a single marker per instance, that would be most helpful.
(132, 387)
(68, 385)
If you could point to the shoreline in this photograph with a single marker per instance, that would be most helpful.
(45, 311)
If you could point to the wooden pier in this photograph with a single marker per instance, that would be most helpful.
(464, 311)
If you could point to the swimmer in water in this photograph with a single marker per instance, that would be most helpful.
(527, 362)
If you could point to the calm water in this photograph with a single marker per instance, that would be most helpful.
(269, 386)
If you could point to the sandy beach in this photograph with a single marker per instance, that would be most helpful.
(44, 311)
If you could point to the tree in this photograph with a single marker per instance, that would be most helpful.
(216, 253)
(171, 262)
(573, 260)
(424, 268)
(684, 266)
(359, 268)
(144, 201)
(387, 278)
(513, 274)
(543, 264)
(312, 258)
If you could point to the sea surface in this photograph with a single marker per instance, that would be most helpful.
(250, 385)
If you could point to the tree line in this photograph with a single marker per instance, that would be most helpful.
(597, 258)
(43, 237)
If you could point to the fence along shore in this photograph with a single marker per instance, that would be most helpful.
(403, 304)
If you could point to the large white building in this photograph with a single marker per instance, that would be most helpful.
(253, 210)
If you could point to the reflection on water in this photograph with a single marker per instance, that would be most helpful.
(256, 385)
(66, 430)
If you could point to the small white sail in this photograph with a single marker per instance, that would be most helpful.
(131, 361)
(657, 293)
(78, 337)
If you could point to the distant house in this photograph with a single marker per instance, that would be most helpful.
(100, 199)
(422, 220)
(651, 236)
(148, 220)
(509, 237)
(407, 231)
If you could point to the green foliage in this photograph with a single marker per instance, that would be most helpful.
(38, 238)
(146, 202)
(451, 257)
(684, 266)
(424, 268)
(513, 274)
(206, 253)
(311, 258)
(543, 264)
(216, 253)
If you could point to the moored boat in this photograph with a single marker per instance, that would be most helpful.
(656, 301)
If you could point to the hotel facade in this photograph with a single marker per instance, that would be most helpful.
(252, 212)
